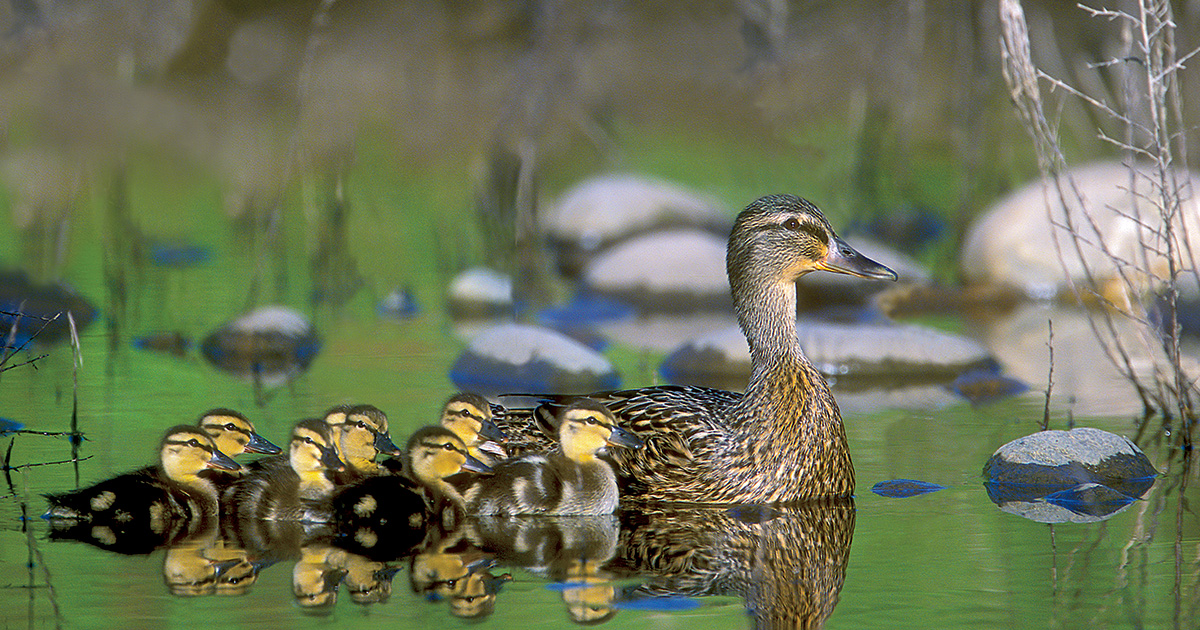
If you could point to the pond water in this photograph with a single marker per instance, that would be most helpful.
(330, 158)
(948, 559)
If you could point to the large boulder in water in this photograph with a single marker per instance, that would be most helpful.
(517, 358)
(1018, 240)
(606, 209)
(1081, 475)
(39, 310)
(673, 270)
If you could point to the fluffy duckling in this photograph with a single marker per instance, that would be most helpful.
(432, 455)
(361, 436)
(159, 495)
(569, 480)
(297, 492)
(469, 416)
(234, 434)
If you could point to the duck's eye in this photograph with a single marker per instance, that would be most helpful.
(229, 426)
(792, 224)
(449, 447)
(593, 421)
(193, 442)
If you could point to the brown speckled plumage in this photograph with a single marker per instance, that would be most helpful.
(783, 440)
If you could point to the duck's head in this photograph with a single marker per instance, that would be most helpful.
(233, 433)
(312, 448)
(186, 450)
(435, 453)
(586, 426)
(469, 416)
(361, 436)
(779, 238)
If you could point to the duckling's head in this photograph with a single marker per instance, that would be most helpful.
(586, 426)
(233, 433)
(186, 450)
(435, 453)
(469, 416)
(363, 435)
(312, 448)
(779, 238)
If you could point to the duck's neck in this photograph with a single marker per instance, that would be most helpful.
(199, 487)
(314, 484)
(767, 315)
(788, 427)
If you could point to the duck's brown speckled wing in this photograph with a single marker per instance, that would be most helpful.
(679, 425)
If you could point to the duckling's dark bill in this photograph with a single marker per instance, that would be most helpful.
(221, 461)
(845, 259)
(384, 444)
(621, 437)
(260, 444)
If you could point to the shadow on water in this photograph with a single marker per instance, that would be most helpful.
(786, 564)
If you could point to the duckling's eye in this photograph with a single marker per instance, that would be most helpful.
(792, 224)
(230, 427)
(193, 442)
(449, 447)
(593, 421)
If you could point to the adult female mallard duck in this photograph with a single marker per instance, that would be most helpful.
(783, 439)
(361, 435)
(569, 480)
(158, 495)
(297, 491)
(469, 416)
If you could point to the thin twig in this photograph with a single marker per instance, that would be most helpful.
(1049, 375)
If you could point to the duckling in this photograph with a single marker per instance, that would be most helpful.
(234, 434)
(781, 441)
(361, 435)
(569, 480)
(386, 502)
(469, 416)
(297, 492)
(152, 505)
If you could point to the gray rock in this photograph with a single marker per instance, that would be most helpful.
(853, 350)
(518, 358)
(1088, 472)
(480, 292)
(268, 346)
(674, 271)
(606, 209)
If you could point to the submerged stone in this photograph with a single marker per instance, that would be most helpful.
(519, 358)
(987, 385)
(606, 209)
(904, 488)
(269, 346)
(676, 270)
(893, 351)
(178, 255)
(173, 343)
(1063, 468)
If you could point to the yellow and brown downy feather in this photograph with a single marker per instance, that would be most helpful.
(233, 434)
(570, 479)
(361, 436)
(296, 491)
(470, 417)
(153, 505)
(402, 508)
(782, 440)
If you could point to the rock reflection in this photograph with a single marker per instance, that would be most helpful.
(786, 563)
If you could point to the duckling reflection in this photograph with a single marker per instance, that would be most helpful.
(315, 580)
(189, 570)
(368, 581)
(787, 563)
(458, 572)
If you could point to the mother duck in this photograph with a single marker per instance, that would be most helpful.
(783, 440)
